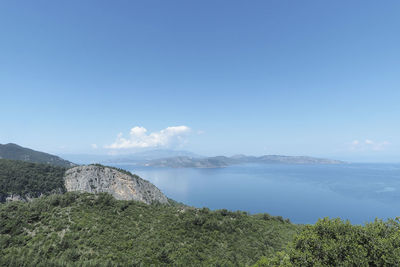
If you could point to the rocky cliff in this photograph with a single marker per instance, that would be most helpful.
(120, 184)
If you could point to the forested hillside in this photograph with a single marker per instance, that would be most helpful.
(25, 179)
(97, 230)
(16, 152)
(82, 229)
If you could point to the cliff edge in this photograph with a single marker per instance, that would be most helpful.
(120, 184)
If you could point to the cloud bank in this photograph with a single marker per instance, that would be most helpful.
(368, 144)
(139, 138)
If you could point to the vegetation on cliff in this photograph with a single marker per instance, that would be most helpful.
(27, 179)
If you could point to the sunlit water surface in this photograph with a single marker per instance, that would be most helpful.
(302, 193)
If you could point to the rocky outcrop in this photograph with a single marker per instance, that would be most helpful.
(16, 197)
(122, 185)
(13, 197)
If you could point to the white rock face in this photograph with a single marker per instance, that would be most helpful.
(97, 179)
(11, 198)
(25, 198)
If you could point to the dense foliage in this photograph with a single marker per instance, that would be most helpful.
(16, 152)
(75, 229)
(338, 243)
(97, 230)
(29, 179)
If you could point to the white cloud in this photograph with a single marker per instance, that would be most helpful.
(368, 145)
(139, 138)
(355, 142)
(369, 142)
(94, 146)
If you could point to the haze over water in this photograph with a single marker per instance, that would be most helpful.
(302, 193)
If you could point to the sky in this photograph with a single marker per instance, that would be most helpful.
(317, 78)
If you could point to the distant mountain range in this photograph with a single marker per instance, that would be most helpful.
(155, 158)
(153, 155)
(132, 158)
(185, 159)
(16, 152)
(222, 161)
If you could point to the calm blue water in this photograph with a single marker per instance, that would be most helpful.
(302, 193)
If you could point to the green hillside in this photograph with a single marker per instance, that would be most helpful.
(27, 179)
(74, 229)
(96, 230)
(16, 152)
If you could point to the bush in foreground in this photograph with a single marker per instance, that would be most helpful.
(338, 243)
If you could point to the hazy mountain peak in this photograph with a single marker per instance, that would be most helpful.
(223, 161)
(16, 152)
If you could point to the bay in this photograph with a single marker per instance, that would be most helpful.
(302, 193)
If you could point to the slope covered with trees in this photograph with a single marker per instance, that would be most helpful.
(16, 152)
(31, 180)
(74, 229)
(97, 230)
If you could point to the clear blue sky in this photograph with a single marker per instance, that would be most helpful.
(319, 78)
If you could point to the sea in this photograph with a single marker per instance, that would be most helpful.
(359, 193)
